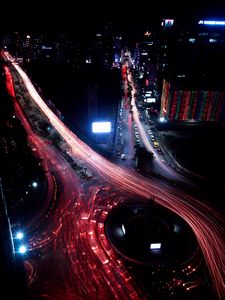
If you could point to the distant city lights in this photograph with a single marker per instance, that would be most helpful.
(147, 33)
(150, 100)
(34, 184)
(155, 246)
(210, 22)
(46, 47)
(167, 22)
(101, 127)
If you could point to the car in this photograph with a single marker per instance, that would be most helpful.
(159, 150)
(155, 144)
(123, 156)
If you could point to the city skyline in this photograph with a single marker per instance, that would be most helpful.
(83, 17)
(112, 153)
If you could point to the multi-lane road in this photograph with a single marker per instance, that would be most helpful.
(77, 261)
(130, 117)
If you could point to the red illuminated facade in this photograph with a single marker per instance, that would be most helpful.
(186, 105)
(192, 69)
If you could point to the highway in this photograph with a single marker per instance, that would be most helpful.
(130, 116)
(160, 165)
(76, 228)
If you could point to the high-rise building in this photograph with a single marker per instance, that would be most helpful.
(192, 69)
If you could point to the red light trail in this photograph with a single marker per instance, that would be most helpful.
(79, 224)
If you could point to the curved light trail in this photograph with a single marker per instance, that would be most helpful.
(206, 224)
(72, 236)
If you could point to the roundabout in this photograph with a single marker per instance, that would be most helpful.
(146, 233)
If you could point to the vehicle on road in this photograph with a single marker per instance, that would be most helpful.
(123, 156)
(159, 150)
(155, 144)
(152, 137)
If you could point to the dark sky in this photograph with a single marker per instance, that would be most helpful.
(86, 15)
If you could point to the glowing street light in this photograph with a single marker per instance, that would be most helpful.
(22, 249)
(19, 235)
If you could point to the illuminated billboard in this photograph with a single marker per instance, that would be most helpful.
(212, 22)
(155, 246)
(168, 22)
(101, 127)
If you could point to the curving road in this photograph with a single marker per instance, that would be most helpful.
(76, 230)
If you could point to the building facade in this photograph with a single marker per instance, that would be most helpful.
(192, 68)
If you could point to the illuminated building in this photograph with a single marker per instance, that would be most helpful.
(192, 68)
(186, 105)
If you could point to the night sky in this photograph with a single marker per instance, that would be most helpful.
(90, 15)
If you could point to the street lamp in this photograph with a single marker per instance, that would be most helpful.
(19, 235)
(22, 249)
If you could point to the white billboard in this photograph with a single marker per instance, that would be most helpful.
(155, 246)
(101, 127)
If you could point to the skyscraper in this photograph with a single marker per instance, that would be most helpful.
(192, 68)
